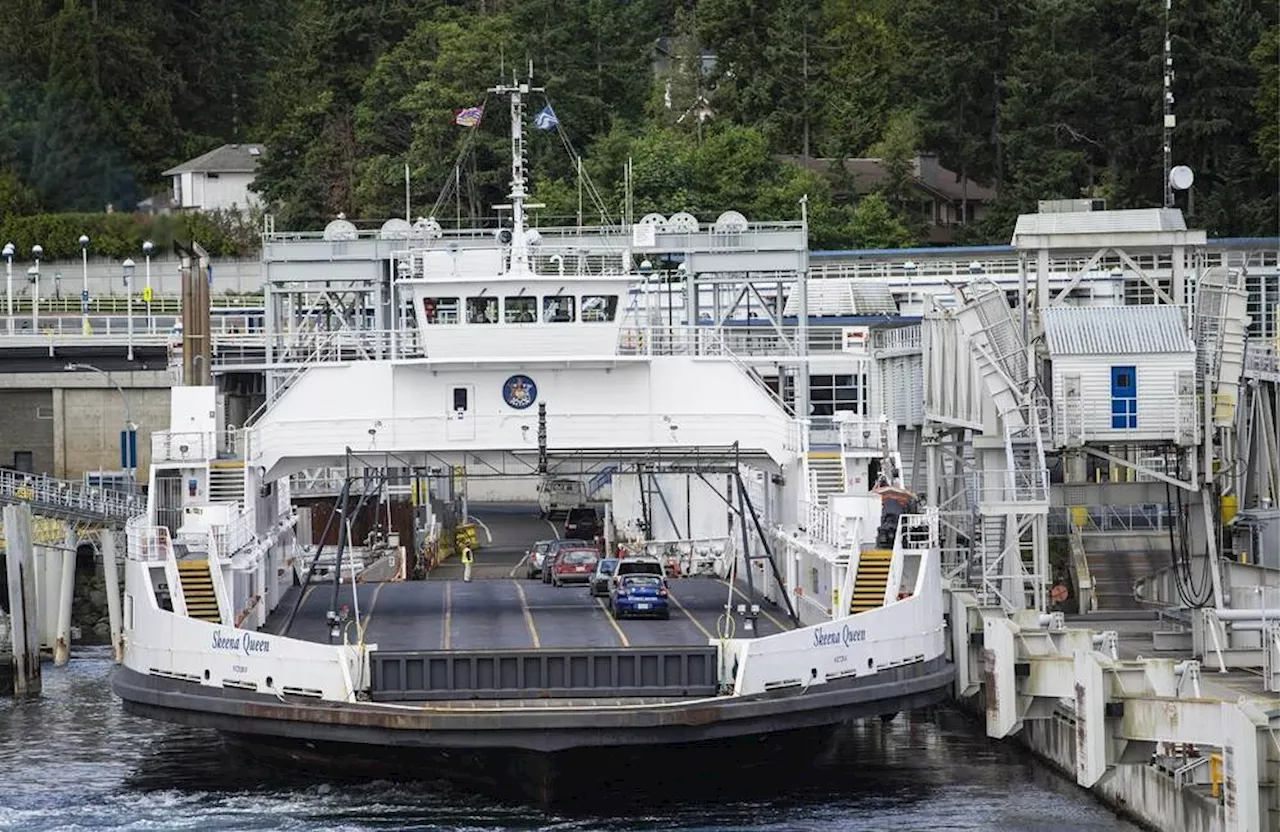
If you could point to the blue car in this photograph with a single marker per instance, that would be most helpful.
(640, 595)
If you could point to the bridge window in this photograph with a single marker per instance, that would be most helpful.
(1124, 398)
(520, 310)
(597, 308)
(440, 310)
(482, 310)
(558, 309)
(831, 394)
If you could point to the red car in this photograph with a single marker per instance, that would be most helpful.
(574, 566)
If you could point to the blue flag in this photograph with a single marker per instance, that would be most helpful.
(546, 120)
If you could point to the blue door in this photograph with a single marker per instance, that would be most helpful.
(1124, 398)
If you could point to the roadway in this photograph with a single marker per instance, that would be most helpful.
(498, 611)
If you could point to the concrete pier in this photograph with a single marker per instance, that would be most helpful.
(111, 574)
(66, 595)
(24, 605)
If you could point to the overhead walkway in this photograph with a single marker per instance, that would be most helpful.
(69, 500)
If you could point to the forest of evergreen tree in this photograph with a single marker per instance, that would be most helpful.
(1036, 99)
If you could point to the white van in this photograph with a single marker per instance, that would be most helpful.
(557, 496)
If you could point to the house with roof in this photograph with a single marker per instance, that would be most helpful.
(948, 199)
(218, 180)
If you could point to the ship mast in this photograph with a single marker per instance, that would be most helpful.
(519, 246)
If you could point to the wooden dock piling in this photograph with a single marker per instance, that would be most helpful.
(24, 605)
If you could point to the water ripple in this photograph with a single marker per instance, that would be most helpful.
(75, 761)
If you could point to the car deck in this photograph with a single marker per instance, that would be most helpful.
(502, 613)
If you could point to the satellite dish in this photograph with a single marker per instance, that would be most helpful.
(683, 222)
(395, 229)
(427, 227)
(731, 221)
(1181, 178)
(340, 230)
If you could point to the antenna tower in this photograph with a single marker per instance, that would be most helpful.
(1169, 118)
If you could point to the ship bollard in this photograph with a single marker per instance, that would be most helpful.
(24, 605)
(66, 595)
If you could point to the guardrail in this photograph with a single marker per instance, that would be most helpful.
(1012, 486)
(147, 543)
(1152, 517)
(66, 498)
(196, 446)
(1176, 418)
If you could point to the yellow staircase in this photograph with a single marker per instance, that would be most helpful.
(197, 590)
(872, 578)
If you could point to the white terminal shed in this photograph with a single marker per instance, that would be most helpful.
(1122, 374)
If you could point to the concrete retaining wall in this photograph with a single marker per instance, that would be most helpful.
(71, 421)
(1141, 793)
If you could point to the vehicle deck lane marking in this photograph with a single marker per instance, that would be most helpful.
(373, 602)
(448, 614)
(609, 617)
(783, 627)
(488, 534)
(555, 535)
(528, 615)
(690, 616)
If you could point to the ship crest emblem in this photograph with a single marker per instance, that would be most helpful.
(519, 392)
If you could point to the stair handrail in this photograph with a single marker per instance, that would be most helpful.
(312, 359)
(722, 349)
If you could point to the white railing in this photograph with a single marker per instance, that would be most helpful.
(147, 543)
(1012, 486)
(66, 496)
(864, 433)
(196, 446)
(918, 532)
(819, 523)
(228, 538)
(1260, 358)
(1104, 518)
(1076, 421)
(905, 339)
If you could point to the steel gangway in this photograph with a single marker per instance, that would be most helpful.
(69, 500)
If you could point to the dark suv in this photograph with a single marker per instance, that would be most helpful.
(582, 523)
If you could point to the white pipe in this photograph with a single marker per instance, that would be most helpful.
(1247, 614)
(111, 573)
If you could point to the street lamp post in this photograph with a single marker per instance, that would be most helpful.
(128, 294)
(147, 248)
(33, 274)
(127, 454)
(9, 251)
(84, 290)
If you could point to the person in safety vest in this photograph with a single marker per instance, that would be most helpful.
(466, 563)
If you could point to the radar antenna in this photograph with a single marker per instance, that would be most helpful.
(519, 246)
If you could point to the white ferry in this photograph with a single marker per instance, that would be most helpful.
(520, 355)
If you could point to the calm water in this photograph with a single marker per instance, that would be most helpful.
(74, 760)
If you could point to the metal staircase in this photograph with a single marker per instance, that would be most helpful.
(1009, 487)
(826, 475)
(226, 481)
(871, 580)
(198, 591)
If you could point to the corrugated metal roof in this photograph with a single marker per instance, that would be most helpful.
(1133, 220)
(1115, 330)
(844, 296)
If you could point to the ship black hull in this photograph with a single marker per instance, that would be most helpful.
(543, 757)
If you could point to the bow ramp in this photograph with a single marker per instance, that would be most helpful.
(613, 408)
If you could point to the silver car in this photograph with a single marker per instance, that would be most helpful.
(535, 557)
